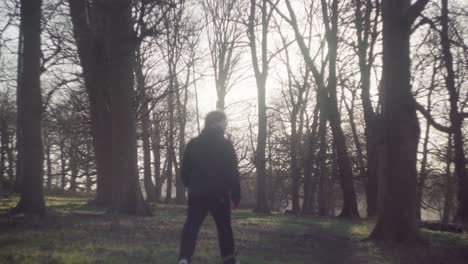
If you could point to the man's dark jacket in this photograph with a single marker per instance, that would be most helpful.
(209, 166)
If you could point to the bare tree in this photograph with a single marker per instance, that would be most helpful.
(107, 58)
(261, 74)
(456, 115)
(367, 33)
(397, 209)
(327, 98)
(224, 33)
(32, 197)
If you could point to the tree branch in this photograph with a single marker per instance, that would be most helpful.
(431, 120)
(415, 10)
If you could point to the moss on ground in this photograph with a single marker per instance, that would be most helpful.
(78, 233)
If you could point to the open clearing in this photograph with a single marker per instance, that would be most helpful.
(74, 232)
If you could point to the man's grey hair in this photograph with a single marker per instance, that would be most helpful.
(215, 117)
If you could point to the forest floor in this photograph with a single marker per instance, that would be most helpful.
(74, 232)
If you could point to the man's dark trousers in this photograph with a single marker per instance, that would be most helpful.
(198, 208)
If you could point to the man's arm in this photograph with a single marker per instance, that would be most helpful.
(234, 173)
(186, 165)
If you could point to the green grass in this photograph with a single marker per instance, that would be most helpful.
(79, 233)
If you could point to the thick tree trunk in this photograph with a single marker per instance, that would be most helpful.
(106, 45)
(126, 192)
(397, 211)
(93, 61)
(372, 167)
(32, 197)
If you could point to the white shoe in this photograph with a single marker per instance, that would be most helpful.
(183, 261)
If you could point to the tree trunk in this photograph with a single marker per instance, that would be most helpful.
(310, 186)
(156, 146)
(126, 192)
(397, 211)
(456, 119)
(372, 167)
(32, 197)
(149, 186)
(260, 162)
(4, 138)
(63, 165)
(93, 62)
(49, 166)
(422, 173)
(367, 35)
(19, 107)
(73, 165)
(260, 77)
(295, 171)
(170, 145)
(145, 130)
(89, 182)
(448, 197)
(11, 159)
(323, 206)
(349, 209)
(327, 100)
(221, 95)
(168, 173)
(106, 45)
(182, 120)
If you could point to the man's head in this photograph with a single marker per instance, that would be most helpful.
(216, 119)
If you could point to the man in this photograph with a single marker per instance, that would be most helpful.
(209, 171)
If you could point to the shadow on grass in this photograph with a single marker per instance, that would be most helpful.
(84, 234)
(281, 239)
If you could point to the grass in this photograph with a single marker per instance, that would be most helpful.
(78, 233)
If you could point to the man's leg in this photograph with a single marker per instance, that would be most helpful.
(221, 211)
(197, 210)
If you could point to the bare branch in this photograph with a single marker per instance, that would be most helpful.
(431, 120)
(415, 10)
